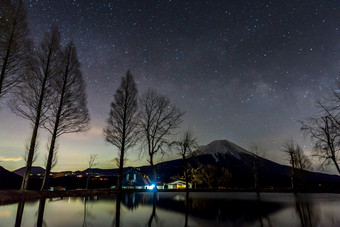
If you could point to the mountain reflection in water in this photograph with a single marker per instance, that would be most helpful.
(178, 209)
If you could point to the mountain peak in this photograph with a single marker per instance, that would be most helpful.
(224, 147)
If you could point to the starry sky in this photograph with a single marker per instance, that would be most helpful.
(246, 71)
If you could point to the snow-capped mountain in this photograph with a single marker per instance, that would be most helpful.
(224, 148)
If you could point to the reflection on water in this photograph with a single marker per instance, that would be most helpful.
(178, 209)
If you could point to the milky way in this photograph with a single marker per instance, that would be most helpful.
(246, 71)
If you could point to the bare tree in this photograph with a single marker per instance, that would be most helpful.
(325, 133)
(33, 98)
(256, 164)
(324, 129)
(69, 113)
(14, 43)
(158, 119)
(288, 148)
(121, 126)
(299, 161)
(185, 147)
(92, 163)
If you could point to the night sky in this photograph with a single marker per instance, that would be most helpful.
(246, 71)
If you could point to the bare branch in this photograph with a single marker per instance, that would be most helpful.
(158, 119)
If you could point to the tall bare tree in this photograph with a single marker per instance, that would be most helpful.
(33, 98)
(14, 43)
(121, 125)
(158, 119)
(69, 113)
(185, 147)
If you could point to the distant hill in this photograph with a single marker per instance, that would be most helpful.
(34, 171)
(9, 180)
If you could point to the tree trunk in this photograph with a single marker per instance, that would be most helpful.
(293, 172)
(55, 130)
(186, 173)
(120, 171)
(336, 164)
(27, 173)
(88, 179)
(45, 182)
(25, 179)
(153, 171)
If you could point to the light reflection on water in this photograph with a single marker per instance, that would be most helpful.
(178, 209)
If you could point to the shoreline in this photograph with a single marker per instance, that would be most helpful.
(14, 196)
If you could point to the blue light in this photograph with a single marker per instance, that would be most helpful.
(151, 187)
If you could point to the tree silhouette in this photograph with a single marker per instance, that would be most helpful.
(185, 148)
(256, 163)
(68, 113)
(158, 119)
(14, 44)
(325, 133)
(298, 160)
(33, 98)
(121, 125)
(324, 129)
(288, 149)
(92, 163)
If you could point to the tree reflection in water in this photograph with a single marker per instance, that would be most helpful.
(248, 209)
(88, 216)
(153, 214)
(41, 211)
(116, 220)
(20, 211)
(306, 211)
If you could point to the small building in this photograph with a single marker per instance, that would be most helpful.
(179, 184)
(134, 178)
(58, 188)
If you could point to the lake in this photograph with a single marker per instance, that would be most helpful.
(178, 209)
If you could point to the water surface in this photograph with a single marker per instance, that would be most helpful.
(178, 209)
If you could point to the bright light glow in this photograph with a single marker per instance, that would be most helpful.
(151, 187)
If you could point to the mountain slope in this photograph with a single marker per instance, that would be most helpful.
(9, 180)
(240, 162)
(34, 171)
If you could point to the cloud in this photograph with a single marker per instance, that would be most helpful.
(11, 159)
